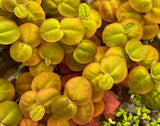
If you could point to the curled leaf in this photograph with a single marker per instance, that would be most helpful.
(84, 10)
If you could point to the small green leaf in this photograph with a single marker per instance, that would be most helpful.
(17, 76)
(48, 62)
(126, 124)
(130, 92)
(137, 102)
(21, 11)
(111, 121)
(37, 113)
(144, 116)
(106, 82)
(9, 32)
(130, 117)
(118, 114)
(21, 66)
(129, 27)
(135, 118)
(84, 10)
(158, 35)
(119, 124)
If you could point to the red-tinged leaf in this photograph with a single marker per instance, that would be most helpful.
(111, 102)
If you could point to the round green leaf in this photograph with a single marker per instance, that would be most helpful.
(106, 82)
(27, 102)
(95, 16)
(85, 51)
(129, 27)
(7, 91)
(155, 73)
(50, 30)
(108, 8)
(69, 8)
(116, 50)
(141, 5)
(63, 108)
(89, 27)
(9, 32)
(51, 6)
(9, 5)
(135, 50)
(132, 28)
(37, 112)
(93, 73)
(73, 31)
(152, 56)
(45, 97)
(20, 52)
(30, 34)
(152, 99)
(10, 113)
(21, 11)
(84, 10)
(79, 89)
(140, 81)
(46, 79)
(34, 59)
(125, 11)
(84, 114)
(154, 13)
(115, 66)
(51, 51)
(36, 14)
(113, 35)
(23, 83)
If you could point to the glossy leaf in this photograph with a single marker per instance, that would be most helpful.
(20, 52)
(37, 112)
(140, 81)
(30, 34)
(50, 30)
(9, 5)
(7, 91)
(152, 56)
(84, 10)
(63, 108)
(51, 6)
(115, 66)
(141, 5)
(106, 82)
(73, 31)
(135, 50)
(93, 73)
(84, 114)
(79, 90)
(85, 51)
(21, 11)
(46, 79)
(113, 35)
(45, 97)
(9, 32)
(52, 51)
(125, 11)
(23, 83)
(10, 113)
(108, 8)
(69, 8)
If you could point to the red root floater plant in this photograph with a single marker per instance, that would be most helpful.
(94, 46)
